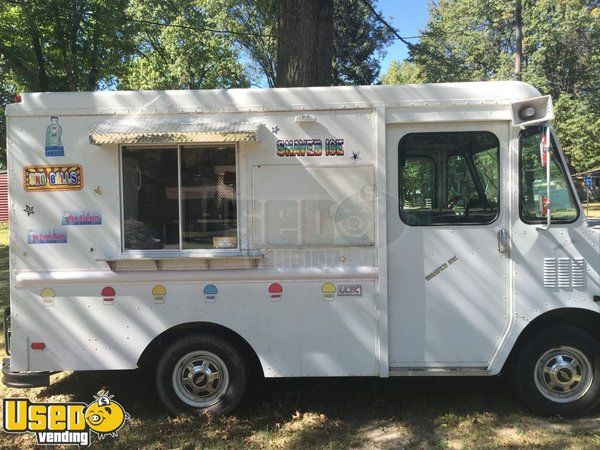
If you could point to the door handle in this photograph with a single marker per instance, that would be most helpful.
(503, 240)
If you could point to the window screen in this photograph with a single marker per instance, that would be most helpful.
(449, 178)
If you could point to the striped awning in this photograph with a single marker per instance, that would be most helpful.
(146, 129)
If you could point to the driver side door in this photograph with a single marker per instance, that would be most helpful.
(447, 278)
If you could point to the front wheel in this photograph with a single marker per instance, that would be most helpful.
(201, 373)
(558, 372)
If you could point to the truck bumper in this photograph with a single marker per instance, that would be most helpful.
(23, 379)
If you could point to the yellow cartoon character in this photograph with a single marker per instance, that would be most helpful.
(105, 416)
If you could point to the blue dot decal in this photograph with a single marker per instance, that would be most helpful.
(210, 293)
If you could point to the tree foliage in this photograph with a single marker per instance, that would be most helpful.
(468, 40)
(192, 54)
(62, 45)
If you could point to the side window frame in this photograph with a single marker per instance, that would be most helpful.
(182, 252)
(437, 170)
(556, 157)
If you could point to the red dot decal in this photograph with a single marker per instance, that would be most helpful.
(276, 291)
(108, 295)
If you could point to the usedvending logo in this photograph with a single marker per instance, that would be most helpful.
(68, 177)
(64, 423)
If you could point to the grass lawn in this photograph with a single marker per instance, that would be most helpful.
(321, 413)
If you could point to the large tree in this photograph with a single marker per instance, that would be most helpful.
(359, 39)
(475, 40)
(305, 43)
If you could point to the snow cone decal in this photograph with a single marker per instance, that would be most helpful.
(210, 293)
(47, 297)
(159, 292)
(108, 295)
(276, 291)
(328, 291)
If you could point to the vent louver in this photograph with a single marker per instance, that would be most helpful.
(564, 272)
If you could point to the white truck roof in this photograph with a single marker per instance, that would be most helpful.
(277, 99)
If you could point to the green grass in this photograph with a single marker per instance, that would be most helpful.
(321, 413)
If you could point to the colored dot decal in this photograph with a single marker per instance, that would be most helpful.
(210, 293)
(276, 291)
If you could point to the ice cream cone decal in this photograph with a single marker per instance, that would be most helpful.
(328, 291)
(108, 295)
(159, 292)
(47, 297)
(276, 291)
(210, 293)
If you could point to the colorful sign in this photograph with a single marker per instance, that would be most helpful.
(54, 145)
(210, 293)
(587, 181)
(276, 291)
(51, 236)
(328, 291)
(310, 147)
(47, 295)
(159, 292)
(82, 218)
(108, 295)
(67, 177)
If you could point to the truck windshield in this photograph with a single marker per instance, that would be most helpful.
(533, 183)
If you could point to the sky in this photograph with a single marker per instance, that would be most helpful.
(408, 17)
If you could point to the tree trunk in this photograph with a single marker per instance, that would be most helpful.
(305, 43)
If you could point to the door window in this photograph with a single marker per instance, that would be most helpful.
(533, 186)
(449, 178)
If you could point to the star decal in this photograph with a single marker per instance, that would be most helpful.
(275, 129)
(355, 156)
(29, 210)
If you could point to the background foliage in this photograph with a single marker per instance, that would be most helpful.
(72, 45)
(475, 40)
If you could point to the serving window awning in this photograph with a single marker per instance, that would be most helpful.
(165, 129)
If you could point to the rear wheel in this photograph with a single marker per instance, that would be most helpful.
(201, 373)
(558, 372)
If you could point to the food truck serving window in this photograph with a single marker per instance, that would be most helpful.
(179, 197)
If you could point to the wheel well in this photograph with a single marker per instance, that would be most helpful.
(155, 348)
(584, 319)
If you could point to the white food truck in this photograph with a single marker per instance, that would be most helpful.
(308, 232)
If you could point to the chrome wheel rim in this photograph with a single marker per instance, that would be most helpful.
(563, 374)
(200, 379)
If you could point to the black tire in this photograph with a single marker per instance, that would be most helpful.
(192, 351)
(535, 385)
